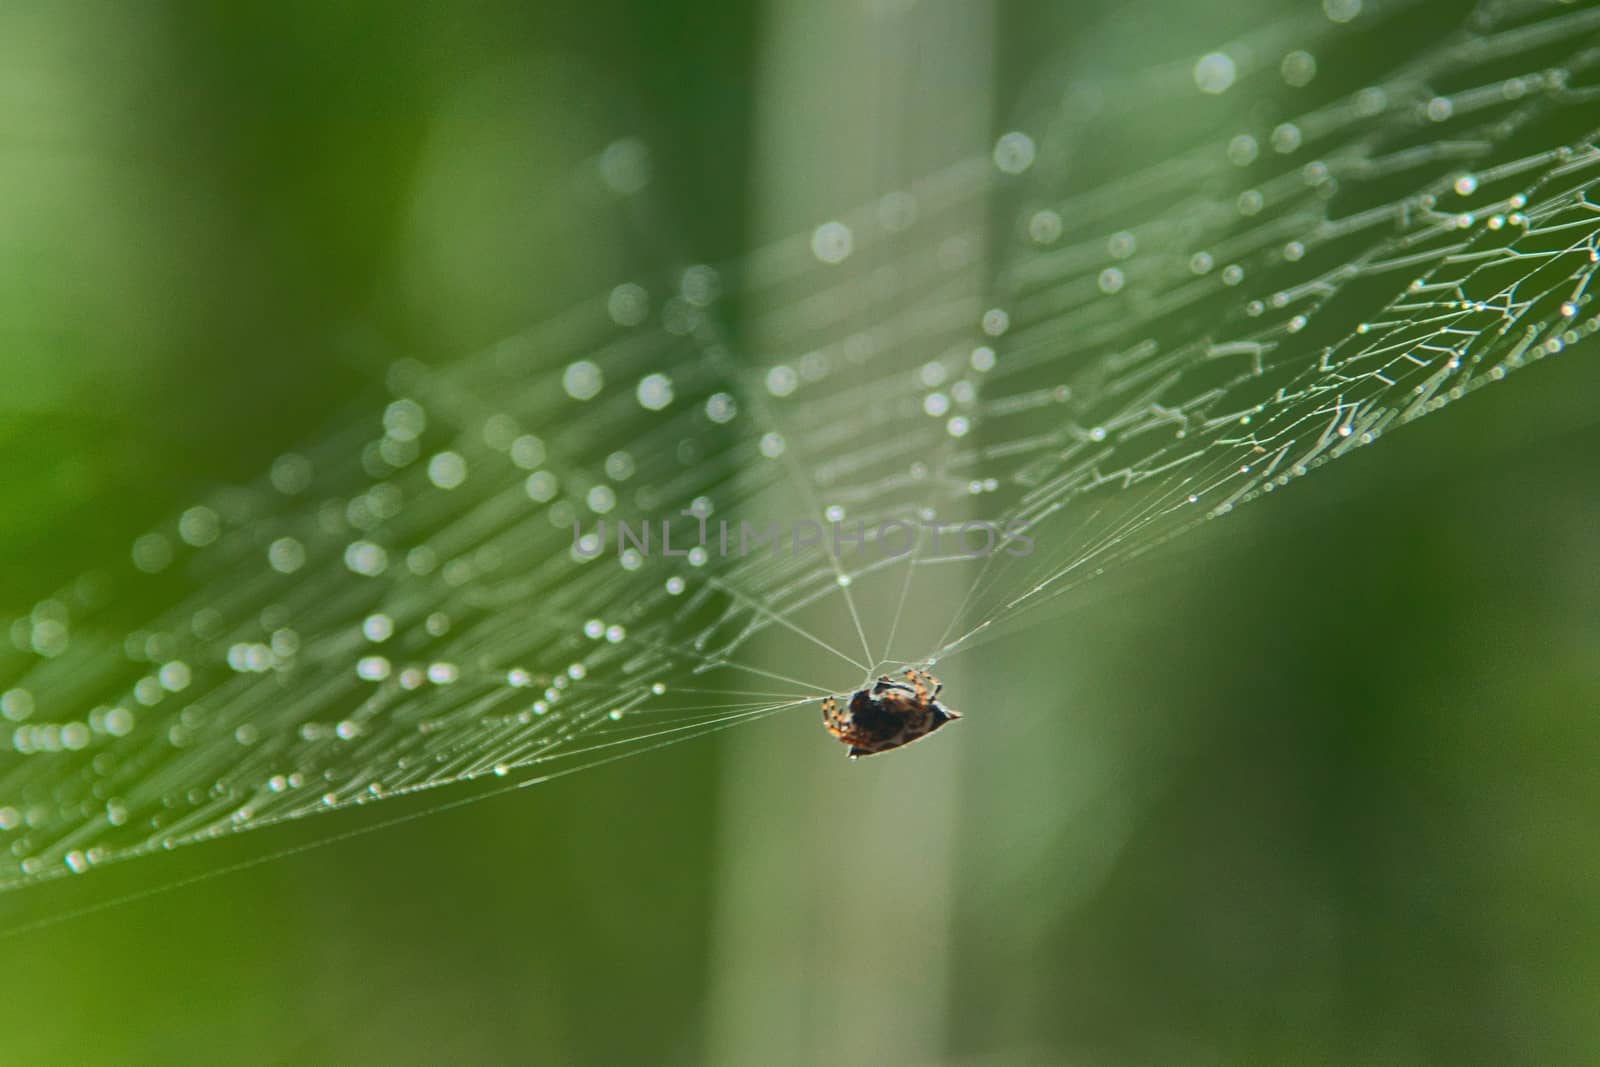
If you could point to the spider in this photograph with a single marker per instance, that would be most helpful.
(888, 715)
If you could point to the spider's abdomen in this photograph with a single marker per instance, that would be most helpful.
(873, 717)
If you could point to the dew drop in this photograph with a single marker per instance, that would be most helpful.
(286, 555)
(721, 408)
(582, 380)
(1014, 152)
(628, 304)
(782, 380)
(1214, 73)
(654, 392)
(1298, 68)
(831, 242)
(372, 668)
(447, 470)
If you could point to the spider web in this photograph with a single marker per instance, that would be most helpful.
(1172, 324)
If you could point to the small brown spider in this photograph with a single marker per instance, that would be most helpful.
(888, 715)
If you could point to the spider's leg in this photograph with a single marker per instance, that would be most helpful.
(930, 683)
(833, 718)
(917, 688)
(884, 682)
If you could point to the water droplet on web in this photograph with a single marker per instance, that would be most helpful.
(1298, 68)
(721, 408)
(372, 668)
(628, 304)
(404, 420)
(152, 553)
(654, 392)
(1044, 227)
(527, 452)
(1243, 150)
(700, 285)
(499, 431)
(16, 704)
(291, 474)
(1214, 72)
(366, 558)
(582, 380)
(831, 242)
(447, 470)
(1013, 152)
(782, 380)
(286, 555)
(1341, 10)
(174, 677)
(199, 526)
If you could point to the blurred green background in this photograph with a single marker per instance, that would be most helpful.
(1314, 784)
